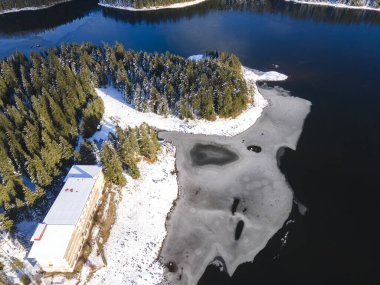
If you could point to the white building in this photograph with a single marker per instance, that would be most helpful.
(58, 240)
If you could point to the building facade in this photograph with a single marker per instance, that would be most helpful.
(59, 239)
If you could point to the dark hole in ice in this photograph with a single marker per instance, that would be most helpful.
(239, 229)
(203, 154)
(244, 210)
(172, 266)
(235, 205)
(254, 148)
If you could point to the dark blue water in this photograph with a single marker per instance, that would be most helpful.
(332, 57)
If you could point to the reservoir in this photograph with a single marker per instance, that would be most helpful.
(332, 59)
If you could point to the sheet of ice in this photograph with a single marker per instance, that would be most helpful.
(204, 223)
(172, 6)
(136, 237)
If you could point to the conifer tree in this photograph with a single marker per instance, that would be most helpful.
(154, 139)
(112, 167)
(133, 169)
(92, 116)
(87, 153)
(30, 196)
(31, 137)
(147, 146)
(133, 142)
(6, 223)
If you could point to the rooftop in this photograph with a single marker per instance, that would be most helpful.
(54, 242)
(70, 202)
(84, 171)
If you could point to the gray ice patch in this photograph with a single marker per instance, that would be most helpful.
(233, 197)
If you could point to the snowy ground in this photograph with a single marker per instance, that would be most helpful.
(172, 6)
(9, 250)
(335, 5)
(139, 230)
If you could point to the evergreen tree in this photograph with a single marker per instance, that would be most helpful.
(112, 167)
(147, 146)
(87, 153)
(133, 169)
(30, 196)
(92, 116)
(154, 139)
(207, 106)
(6, 223)
(132, 139)
(128, 155)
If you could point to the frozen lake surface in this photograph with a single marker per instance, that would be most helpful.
(232, 199)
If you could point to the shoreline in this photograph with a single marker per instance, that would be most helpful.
(136, 238)
(35, 8)
(151, 199)
(340, 6)
(126, 115)
(171, 6)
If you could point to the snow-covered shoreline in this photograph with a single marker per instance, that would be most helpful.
(125, 115)
(15, 10)
(140, 228)
(136, 237)
(172, 6)
(327, 4)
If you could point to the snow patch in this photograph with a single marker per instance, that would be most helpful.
(10, 250)
(257, 75)
(172, 6)
(197, 57)
(136, 237)
(335, 5)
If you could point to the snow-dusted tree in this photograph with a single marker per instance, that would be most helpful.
(112, 166)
